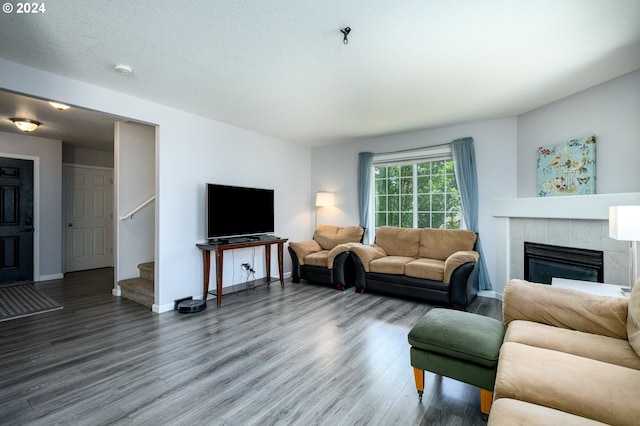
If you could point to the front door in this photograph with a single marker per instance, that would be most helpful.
(16, 220)
(88, 201)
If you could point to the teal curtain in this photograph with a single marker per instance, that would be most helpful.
(365, 161)
(464, 163)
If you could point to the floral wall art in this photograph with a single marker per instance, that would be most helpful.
(567, 168)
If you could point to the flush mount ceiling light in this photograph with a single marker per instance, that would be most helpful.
(123, 69)
(25, 124)
(59, 106)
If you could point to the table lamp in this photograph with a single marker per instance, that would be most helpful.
(624, 224)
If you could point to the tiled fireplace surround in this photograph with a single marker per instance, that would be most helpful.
(580, 221)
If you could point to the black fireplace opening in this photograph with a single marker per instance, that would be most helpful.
(542, 262)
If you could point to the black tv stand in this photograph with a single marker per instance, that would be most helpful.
(239, 240)
(236, 240)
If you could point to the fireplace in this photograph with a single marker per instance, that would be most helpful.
(542, 262)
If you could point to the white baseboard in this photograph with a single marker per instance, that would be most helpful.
(159, 309)
(490, 294)
(50, 277)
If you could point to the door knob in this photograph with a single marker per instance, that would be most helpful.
(70, 225)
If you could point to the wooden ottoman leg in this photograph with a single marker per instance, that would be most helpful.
(486, 399)
(418, 375)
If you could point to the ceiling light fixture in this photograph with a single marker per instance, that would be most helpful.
(123, 69)
(59, 106)
(25, 124)
(345, 31)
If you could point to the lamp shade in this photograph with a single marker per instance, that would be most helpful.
(325, 199)
(624, 223)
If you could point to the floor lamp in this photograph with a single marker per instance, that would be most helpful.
(624, 224)
(324, 199)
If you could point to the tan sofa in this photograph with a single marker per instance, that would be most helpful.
(435, 265)
(326, 258)
(568, 358)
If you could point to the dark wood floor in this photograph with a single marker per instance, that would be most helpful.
(304, 355)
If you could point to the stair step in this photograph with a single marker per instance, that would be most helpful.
(147, 270)
(138, 290)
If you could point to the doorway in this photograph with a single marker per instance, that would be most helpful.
(16, 220)
(88, 212)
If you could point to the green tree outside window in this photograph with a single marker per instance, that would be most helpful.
(419, 195)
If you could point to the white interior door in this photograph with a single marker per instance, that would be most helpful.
(88, 218)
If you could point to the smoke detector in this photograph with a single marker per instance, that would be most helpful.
(123, 69)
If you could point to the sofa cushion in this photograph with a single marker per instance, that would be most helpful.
(588, 345)
(399, 241)
(633, 318)
(389, 265)
(318, 258)
(329, 236)
(442, 243)
(565, 308)
(585, 387)
(304, 248)
(429, 269)
(462, 335)
(509, 412)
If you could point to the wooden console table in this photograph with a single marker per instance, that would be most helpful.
(219, 250)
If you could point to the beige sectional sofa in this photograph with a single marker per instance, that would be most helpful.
(568, 358)
(434, 265)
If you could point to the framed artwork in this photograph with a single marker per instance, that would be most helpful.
(567, 168)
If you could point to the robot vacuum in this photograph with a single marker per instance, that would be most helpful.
(191, 306)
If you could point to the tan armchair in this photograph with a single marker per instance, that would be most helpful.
(326, 258)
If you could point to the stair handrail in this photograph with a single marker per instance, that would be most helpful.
(137, 209)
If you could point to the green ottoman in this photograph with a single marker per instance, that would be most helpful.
(460, 345)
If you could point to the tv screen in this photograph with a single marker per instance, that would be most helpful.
(235, 210)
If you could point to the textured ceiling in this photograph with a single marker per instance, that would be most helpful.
(280, 67)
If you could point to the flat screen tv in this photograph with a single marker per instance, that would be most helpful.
(234, 211)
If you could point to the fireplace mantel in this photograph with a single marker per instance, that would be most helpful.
(542, 220)
(568, 207)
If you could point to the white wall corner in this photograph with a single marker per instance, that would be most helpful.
(159, 309)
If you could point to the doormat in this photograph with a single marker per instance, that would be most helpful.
(17, 301)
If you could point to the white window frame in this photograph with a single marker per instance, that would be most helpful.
(437, 153)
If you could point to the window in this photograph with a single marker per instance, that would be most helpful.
(419, 193)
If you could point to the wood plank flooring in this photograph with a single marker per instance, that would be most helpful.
(303, 355)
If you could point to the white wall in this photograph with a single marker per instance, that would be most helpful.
(192, 150)
(334, 168)
(86, 157)
(49, 221)
(135, 182)
(610, 111)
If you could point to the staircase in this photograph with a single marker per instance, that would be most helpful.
(140, 290)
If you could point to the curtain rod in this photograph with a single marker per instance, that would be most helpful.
(414, 149)
(424, 147)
